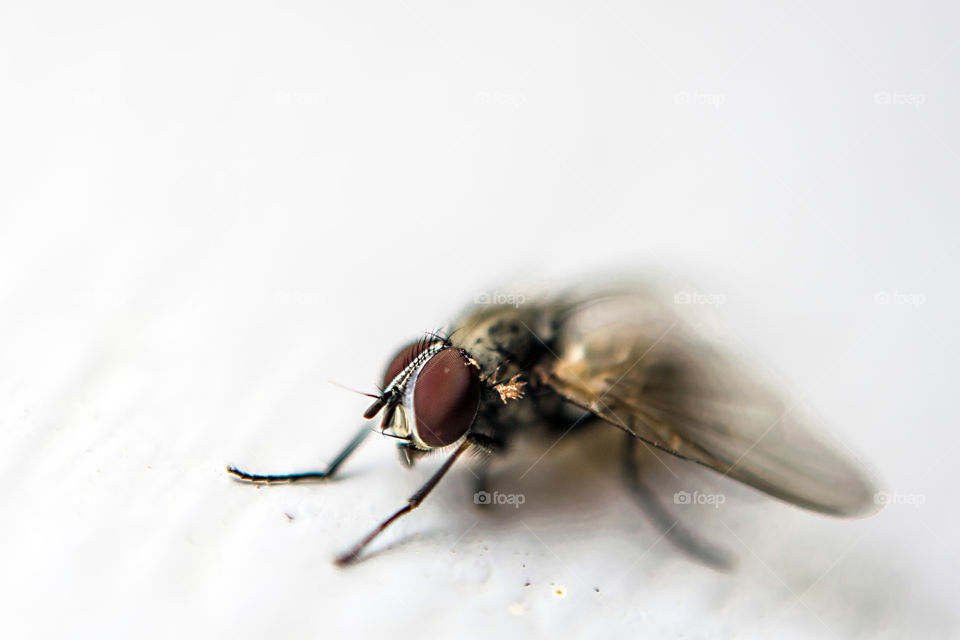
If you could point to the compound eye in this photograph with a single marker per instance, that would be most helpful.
(446, 398)
(406, 355)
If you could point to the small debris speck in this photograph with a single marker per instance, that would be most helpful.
(559, 591)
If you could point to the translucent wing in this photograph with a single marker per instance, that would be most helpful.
(632, 360)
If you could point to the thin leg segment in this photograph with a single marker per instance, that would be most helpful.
(288, 478)
(412, 504)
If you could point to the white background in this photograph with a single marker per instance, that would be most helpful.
(209, 210)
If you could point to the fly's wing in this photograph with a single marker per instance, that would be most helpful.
(631, 360)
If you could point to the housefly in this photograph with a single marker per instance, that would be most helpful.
(624, 357)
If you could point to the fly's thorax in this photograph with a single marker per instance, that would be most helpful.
(497, 336)
(506, 342)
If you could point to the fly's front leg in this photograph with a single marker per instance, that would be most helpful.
(288, 478)
(413, 502)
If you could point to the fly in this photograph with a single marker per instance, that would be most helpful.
(624, 358)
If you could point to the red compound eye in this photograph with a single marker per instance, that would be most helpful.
(446, 398)
(406, 355)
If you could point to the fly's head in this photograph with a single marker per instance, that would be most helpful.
(430, 397)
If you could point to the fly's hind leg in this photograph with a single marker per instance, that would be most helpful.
(670, 527)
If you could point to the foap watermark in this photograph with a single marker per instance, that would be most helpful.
(499, 99)
(715, 100)
(499, 297)
(914, 100)
(910, 499)
(485, 497)
(698, 297)
(712, 499)
(895, 297)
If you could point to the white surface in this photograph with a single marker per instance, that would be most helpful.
(209, 211)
